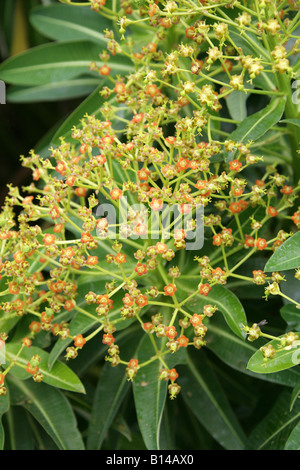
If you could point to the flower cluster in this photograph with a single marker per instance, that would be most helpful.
(170, 151)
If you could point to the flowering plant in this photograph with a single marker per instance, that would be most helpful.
(198, 140)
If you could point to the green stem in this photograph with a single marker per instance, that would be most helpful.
(289, 299)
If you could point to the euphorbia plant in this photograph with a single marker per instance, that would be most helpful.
(82, 259)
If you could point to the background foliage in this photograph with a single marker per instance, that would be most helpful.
(224, 403)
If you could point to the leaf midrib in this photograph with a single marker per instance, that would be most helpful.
(121, 388)
(235, 339)
(49, 86)
(45, 372)
(223, 309)
(275, 360)
(72, 26)
(69, 63)
(256, 123)
(278, 430)
(284, 265)
(196, 374)
(35, 401)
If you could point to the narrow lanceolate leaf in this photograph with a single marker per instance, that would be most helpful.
(7, 324)
(291, 314)
(51, 409)
(64, 23)
(273, 431)
(290, 288)
(236, 353)
(64, 90)
(293, 442)
(56, 62)
(295, 122)
(149, 396)
(236, 104)
(60, 375)
(295, 395)
(4, 406)
(16, 420)
(287, 256)
(228, 304)
(283, 359)
(111, 391)
(49, 63)
(256, 125)
(204, 395)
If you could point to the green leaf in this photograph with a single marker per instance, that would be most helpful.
(236, 353)
(58, 62)
(228, 304)
(51, 409)
(290, 287)
(204, 395)
(16, 420)
(293, 442)
(42, 340)
(287, 256)
(4, 407)
(168, 427)
(236, 103)
(121, 426)
(149, 396)
(291, 314)
(295, 395)
(60, 375)
(272, 432)
(64, 23)
(283, 359)
(239, 389)
(8, 12)
(50, 63)
(296, 122)
(111, 390)
(256, 125)
(6, 324)
(63, 90)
